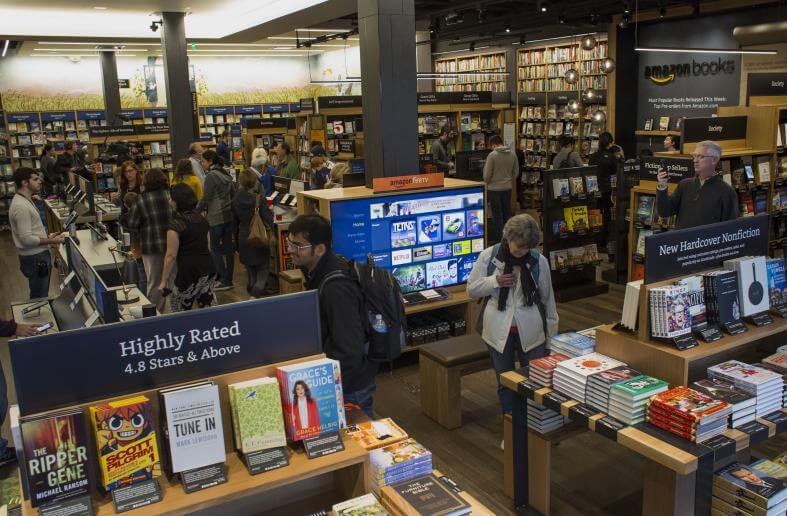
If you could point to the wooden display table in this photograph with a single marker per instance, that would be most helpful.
(678, 473)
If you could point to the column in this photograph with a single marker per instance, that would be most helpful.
(390, 110)
(110, 87)
(180, 107)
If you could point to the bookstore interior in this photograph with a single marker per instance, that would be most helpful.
(621, 165)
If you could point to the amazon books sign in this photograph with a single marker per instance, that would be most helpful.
(666, 73)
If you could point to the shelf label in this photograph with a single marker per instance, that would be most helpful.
(136, 495)
(735, 328)
(323, 445)
(77, 506)
(757, 432)
(198, 479)
(710, 334)
(684, 342)
(267, 460)
(761, 319)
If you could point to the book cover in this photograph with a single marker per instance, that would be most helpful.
(423, 495)
(765, 491)
(126, 441)
(56, 456)
(376, 434)
(578, 215)
(724, 391)
(257, 412)
(398, 456)
(664, 123)
(558, 259)
(695, 297)
(614, 375)
(690, 404)
(559, 227)
(640, 249)
(574, 340)
(312, 398)
(594, 218)
(577, 185)
(777, 281)
(587, 365)
(752, 275)
(560, 187)
(364, 505)
(645, 207)
(745, 375)
(638, 388)
(591, 184)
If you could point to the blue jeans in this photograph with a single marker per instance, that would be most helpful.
(222, 251)
(505, 361)
(36, 273)
(500, 205)
(362, 398)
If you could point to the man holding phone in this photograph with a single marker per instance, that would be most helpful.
(702, 199)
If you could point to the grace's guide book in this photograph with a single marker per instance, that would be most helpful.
(126, 441)
(194, 426)
(257, 415)
(56, 456)
(312, 398)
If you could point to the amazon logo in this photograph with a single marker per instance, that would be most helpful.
(667, 73)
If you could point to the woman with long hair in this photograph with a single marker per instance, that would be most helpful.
(255, 259)
(184, 174)
(130, 179)
(305, 411)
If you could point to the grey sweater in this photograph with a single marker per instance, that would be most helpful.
(27, 229)
(566, 159)
(500, 169)
(697, 205)
(217, 197)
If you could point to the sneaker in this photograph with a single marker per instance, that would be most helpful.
(222, 286)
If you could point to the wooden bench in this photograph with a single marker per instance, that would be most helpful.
(441, 366)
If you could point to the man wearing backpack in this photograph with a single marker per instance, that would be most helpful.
(519, 312)
(341, 306)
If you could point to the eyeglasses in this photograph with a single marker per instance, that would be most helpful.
(296, 246)
(698, 157)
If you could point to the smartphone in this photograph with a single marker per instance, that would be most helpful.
(34, 307)
(663, 164)
(44, 327)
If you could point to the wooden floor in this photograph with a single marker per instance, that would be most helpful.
(590, 474)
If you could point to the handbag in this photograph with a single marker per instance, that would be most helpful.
(259, 234)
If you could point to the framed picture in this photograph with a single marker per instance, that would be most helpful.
(649, 124)
(679, 122)
(664, 123)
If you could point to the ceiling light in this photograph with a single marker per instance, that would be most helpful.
(73, 55)
(561, 19)
(662, 12)
(707, 50)
(157, 44)
(472, 46)
(301, 39)
(541, 5)
(626, 9)
(508, 27)
(624, 22)
(90, 49)
(100, 8)
(455, 51)
(246, 55)
(5, 47)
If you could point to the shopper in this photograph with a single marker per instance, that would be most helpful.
(337, 175)
(702, 199)
(187, 245)
(606, 166)
(9, 329)
(66, 162)
(255, 259)
(129, 200)
(129, 180)
(223, 147)
(320, 174)
(441, 155)
(48, 161)
(672, 143)
(500, 171)
(566, 158)
(184, 173)
(27, 230)
(150, 218)
(216, 202)
(288, 166)
(341, 307)
(197, 164)
(261, 169)
(519, 312)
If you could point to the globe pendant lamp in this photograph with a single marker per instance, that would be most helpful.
(573, 106)
(588, 42)
(598, 117)
(589, 96)
(571, 76)
(608, 65)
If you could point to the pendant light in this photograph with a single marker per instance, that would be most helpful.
(598, 116)
(589, 96)
(573, 106)
(588, 42)
(608, 65)
(571, 76)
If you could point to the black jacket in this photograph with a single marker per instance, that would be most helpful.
(697, 205)
(607, 167)
(243, 210)
(65, 162)
(341, 321)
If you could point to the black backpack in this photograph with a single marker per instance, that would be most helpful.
(385, 322)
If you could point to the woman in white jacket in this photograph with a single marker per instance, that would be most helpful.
(520, 313)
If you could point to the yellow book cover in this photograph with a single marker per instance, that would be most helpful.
(579, 216)
(126, 441)
(376, 434)
(567, 212)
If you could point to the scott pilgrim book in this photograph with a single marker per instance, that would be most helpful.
(193, 426)
(126, 442)
(56, 456)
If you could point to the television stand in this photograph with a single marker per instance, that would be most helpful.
(425, 296)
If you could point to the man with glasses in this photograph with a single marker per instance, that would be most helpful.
(341, 306)
(703, 199)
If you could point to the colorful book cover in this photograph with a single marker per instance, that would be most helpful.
(548, 362)
(594, 218)
(560, 187)
(577, 185)
(398, 456)
(751, 483)
(742, 374)
(724, 391)
(376, 434)
(614, 375)
(589, 364)
(591, 182)
(639, 387)
(559, 227)
(56, 456)
(574, 340)
(691, 404)
(365, 505)
(126, 441)
(645, 208)
(777, 281)
(579, 217)
(312, 398)
(403, 233)
(423, 495)
(256, 408)
(695, 297)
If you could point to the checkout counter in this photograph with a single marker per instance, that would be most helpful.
(78, 195)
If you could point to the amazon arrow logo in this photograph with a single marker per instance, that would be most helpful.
(663, 80)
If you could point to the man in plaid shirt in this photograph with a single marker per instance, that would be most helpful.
(149, 219)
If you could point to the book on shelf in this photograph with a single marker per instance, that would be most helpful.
(777, 281)
(571, 376)
(57, 460)
(640, 248)
(571, 343)
(695, 296)
(558, 260)
(664, 123)
(397, 462)
(577, 185)
(257, 417)
(595, 219)
(576, 217)
(376, 434)
(126, 441)
(669, 311)
(591, 184)
(766, 385)
(559, 227)
(648, 124)
(751, 483)
(777, 361)
(576, 256)
(312, 398)
(752, 275)
(763, 175)
(359, 506)
(646, 206)
(630, 314)
(423, 495)
(193, 426)
(560, 187)
(721, 297)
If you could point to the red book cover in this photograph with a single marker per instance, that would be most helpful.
(638, 272)
(548, 363)
(671, 419)
(689, 403)
(669, 428)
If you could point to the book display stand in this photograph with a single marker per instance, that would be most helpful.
(267, 133)
(343, 122)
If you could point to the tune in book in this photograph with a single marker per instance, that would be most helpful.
(56, 456)
(312, 398)
(126, 441)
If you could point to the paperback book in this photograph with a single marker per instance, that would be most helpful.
(571, 343)
(257, 415)
(376, 434)
(364, 505)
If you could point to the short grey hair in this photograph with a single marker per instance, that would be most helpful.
(712, 147)
(522, 230)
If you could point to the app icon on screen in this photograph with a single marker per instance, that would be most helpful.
(401, 257)
(439, 274)
(410, 277)
(428, 229)
(466, 264)
(403, 233)
(462, 247)
(475, 222)
(454, 225)
(422, 254)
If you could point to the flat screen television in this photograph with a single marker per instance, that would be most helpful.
(426, 239)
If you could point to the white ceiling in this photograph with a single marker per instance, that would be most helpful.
(207, 19)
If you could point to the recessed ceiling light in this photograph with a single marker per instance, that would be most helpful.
(100, 8)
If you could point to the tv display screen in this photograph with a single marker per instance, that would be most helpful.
(427, 239)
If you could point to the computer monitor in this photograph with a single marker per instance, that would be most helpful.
(99, 295)
(470, 164)
(426, 239)
(354, 179)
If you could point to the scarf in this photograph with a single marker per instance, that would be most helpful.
(529, 287)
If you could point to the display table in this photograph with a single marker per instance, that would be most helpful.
(678, 473)
(97, 252)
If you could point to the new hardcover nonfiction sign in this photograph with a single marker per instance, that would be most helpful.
(677, 169)
(686, 251)
(64, 368)
(714, 128)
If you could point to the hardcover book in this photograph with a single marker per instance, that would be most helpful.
(638, 388)
(751, 483)
(752, 275)
(56, 461)
(645, 209)
(424, 495)
(576, 217)
(312, 398)
(126, 441)
(695, 296)
(257, 415)
(690, 405)
(591, 183)
(777, 281)
(577, 185)
(376, 434)
(724, 391)
(560, 187)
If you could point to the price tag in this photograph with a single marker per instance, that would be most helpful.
(761, 319)
(609, 427)
(137, 495)
(735, 328)
(779, 419)
(77, 506)
(554, 400)
(581, 412)
(722, 446)
(323, 445)
(684, 342)
(757, 432)
(198, 479)
(67, 280)
(266, 460)
(77, 298)
(527, 388)
(710, 334)
(781, 310)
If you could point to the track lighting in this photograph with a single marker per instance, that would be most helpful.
(541, 5)
(624, 22)
(662, 12)
(481, 16)
(626, 9)
(472, 46)
(561, 19)
(508, 27)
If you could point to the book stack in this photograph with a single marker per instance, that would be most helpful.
(540, 370)
(752, 489)
(669, 311)
(542, 419)
(376, 434)
(256, 415)
(599, 385)
(628, 399)
(398, 462)
(571, 376)
(360, 505)
(425, 495)
(721, 297)
(743, 403)
(689, 414)
(766, 386)
(778, 363)
(572, 344)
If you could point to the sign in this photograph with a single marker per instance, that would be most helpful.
(671, 71)
(198, 479)
(340, 102)
(275, 108)
(137, 495)
(127, 130)
(124, 83)
(767, 84)
(155, 113)
(414, 182)
(91, 115)
(685, 251)
(55, 117)
(714, 128)
(442, 97)
(678, 169)
(22, 117)
(266, 460)
(532, 99)
(248, 110)
(563, 97)
(323, 445)
(218, 110)
(295, 107)
(307, 104)
(265, 123)
(153, 352)
(132, 113)
(347, 146)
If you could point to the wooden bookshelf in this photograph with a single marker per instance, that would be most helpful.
(643, 189)
(492, 62)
